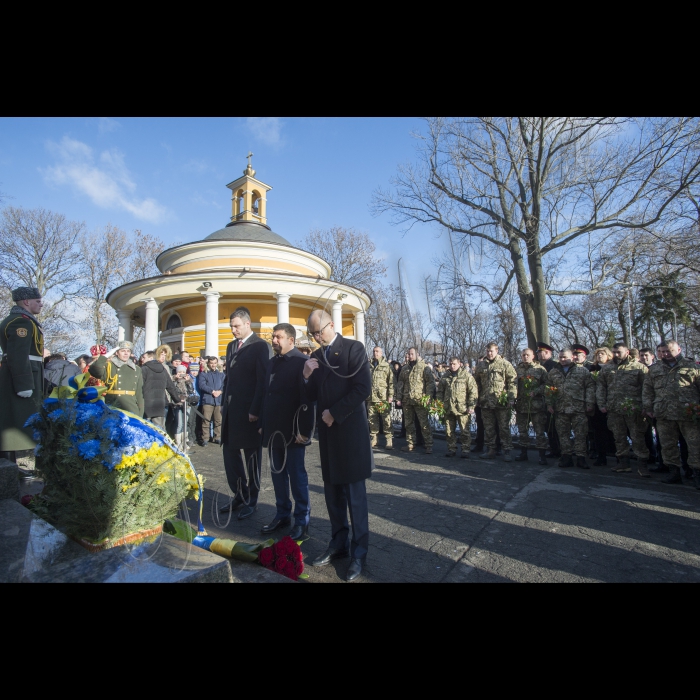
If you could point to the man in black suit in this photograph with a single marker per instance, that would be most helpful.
(247, 356)
(286, 425)
(339, 379)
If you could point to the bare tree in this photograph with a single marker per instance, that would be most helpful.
(351, 255)
(517, 189)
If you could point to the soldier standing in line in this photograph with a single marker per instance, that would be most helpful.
(22, 371)
(415, 381)
(671, 394)
(122, 378)
(544, 354)
(619, 395)
(497, 383)
(458, 392)
(383, 388)
(530, 406)
(570, 397)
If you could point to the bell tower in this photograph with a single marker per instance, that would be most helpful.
(248, 197)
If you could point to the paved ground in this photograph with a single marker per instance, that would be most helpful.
(434, 519)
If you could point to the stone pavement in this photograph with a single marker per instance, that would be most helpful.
(434, 519)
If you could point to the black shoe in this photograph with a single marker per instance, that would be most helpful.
(233, 505)
(201, 443)
(600, 462)
(299, 532)
(328, 556)
(581, 462)
(543, 459)
(246, 512)
(354, 570)
(276, 524)
(553, 453)
(566, 461)
(522, 457)
(450, 454)
(477, 448)
(216, 442)
(661, 469)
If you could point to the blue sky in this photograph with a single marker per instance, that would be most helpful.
(168, 176)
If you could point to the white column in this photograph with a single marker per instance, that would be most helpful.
(360, 326)
(151, 342)
(211, 324)
(337, 316)
(282, 307)
(124, 332)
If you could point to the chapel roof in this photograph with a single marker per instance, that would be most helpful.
(248, 231)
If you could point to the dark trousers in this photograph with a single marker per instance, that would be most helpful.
(243, 479)
(650, 441)
(339, 499)
(294, 474)
(552, 436)
(479, 442)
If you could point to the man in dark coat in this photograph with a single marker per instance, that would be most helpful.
(210, 386)
(286, 426)
(156, 382)
(247, 356)
(21, 373)
(339, 380)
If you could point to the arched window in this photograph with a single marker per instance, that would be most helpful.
(173, 322)
(256, 203)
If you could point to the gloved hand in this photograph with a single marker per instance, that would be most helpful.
(25, 394)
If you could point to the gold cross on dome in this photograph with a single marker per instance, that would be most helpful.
(249, 156)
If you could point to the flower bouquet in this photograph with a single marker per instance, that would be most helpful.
(381, 407)
(110, 477)
(595, 374)
(437, 409)
(284, 557)
(551, 392)
(692, 411)
(628, 407)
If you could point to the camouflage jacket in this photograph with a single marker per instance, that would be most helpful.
(414, 382)
(667, 389)
(383, 384)
(458, 392)
(493, 377)
(618, 382)
(575, 390)
(531, 401)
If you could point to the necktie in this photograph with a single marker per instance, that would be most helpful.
(240, 342)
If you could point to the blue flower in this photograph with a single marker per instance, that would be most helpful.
(56, 415)
(89, 449)
(36, 435)
(33, 420)
(87, 411)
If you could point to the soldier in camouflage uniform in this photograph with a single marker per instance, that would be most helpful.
(383, 387)
(570, 396)
(619, 394)
(495, 375)
(123, 379)
(458, 392)
(530, 406)
(415, 381)
(22, 371)
(671, 389)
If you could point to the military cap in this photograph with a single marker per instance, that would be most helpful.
(22, 293)
(580, 348)
(125, 345)
(544, 346)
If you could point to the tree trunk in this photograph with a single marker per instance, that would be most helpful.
(524, 292)
(539, 294)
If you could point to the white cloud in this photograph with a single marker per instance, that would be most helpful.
(266, 129)
(106, 124)
(106, 182)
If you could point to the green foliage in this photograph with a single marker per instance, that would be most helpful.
(663, 305)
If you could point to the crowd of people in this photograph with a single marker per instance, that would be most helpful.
(649, 398)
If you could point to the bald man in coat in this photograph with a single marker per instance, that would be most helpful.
(339, 380)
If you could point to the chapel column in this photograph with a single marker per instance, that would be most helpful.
(282, 307)
(337, 316)
(124, 329)
(211, 324)
(360, 326)
(151, 341)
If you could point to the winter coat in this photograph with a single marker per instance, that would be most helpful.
(210, 381)
(493, 377)
(668, 389)
(619, 382)
(575, 390)
(383, 385)
(532, 400)
(157, 385)
(415, 381)
(57, 373)
(458, 392)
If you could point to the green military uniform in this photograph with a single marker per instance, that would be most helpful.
(619, 392)
(383, 388)
(124, 383)
(22, 370)
(575, 396)
(415, 381)
(668, 391)
(530, 406)
(493, 377)
(459, 393)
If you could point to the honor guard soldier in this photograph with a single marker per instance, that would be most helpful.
(122, 378)
(22, 371)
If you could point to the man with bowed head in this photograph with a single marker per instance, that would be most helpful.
(338, 379)
(21, 373)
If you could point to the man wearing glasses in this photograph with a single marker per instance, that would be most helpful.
(338, 377)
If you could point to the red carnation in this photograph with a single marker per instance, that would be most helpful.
(280, 564)
(289, 571)
(266, 557)
(278, 549)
